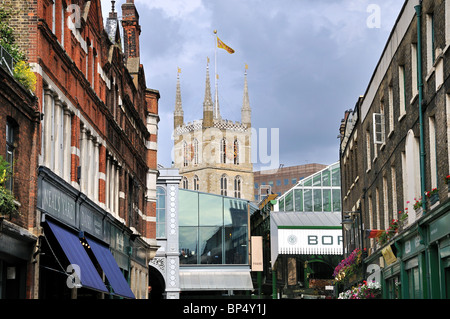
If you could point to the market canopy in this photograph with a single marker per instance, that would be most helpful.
(221, 278)
(305, 233)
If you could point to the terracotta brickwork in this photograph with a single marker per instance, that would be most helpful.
(94, 95)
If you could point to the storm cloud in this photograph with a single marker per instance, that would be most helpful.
(308, 62)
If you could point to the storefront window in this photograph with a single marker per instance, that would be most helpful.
(413, 283)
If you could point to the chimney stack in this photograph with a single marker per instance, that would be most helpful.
(131, 29)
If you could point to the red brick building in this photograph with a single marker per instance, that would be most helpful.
(19, 127)
(97, 140)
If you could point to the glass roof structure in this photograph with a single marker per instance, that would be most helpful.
(320, 192)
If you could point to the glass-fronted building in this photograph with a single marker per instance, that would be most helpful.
(320, 192)
(213, 229)
(204, 243)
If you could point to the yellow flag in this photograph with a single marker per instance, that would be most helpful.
(222, 45)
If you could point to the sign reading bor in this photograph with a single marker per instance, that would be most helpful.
(310, 241)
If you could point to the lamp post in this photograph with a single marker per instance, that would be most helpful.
(348, 222)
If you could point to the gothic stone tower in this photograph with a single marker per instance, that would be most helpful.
(213, 154)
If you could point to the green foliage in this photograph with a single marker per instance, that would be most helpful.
(7, 205)
(23, 74)
(7, 37)
(22, 71)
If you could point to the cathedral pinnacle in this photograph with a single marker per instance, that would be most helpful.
(246, 111)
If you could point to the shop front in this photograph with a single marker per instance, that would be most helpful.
(84, 252)
(305, 248)
(416, 263)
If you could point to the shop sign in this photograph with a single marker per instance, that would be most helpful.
(57, 203)
(440, 227)
(412, 245)
(388, 255)
(310, 241)
(91, 222)
(257, 253)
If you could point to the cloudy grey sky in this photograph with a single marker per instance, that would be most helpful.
(308, 62)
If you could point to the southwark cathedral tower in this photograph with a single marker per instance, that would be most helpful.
(214, 154)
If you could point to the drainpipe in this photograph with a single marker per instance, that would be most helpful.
(422, 232)
(420, 84)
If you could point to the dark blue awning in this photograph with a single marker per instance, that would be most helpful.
(112, 271)
(77, 255)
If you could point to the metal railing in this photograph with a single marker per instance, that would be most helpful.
(6, 60)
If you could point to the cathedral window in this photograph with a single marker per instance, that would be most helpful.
(185, 154)
(223, 185)
(236, 152)
(195, 151)
(185, 183)
(196, 183)
(223, 151)
(237, 187)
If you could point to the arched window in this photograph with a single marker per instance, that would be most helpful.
(236, 152)
(223, 185)
(185, 183)
(195, 151)
(237, 187)
(185, 154)
(196, 183)
(160, 212)
(223, 151)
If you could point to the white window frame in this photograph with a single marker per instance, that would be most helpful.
(378, 128)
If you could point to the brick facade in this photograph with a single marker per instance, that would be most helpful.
(384, 179)
(96, 107)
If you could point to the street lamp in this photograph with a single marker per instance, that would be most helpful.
(348, 222)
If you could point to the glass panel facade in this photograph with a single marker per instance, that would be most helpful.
(160, 212)
(336, 176)
(336, 200)
(188, 213)
(317, 200)
(316, 193)
(326, 200)
(188, 237)
(326, 178)
(213, 229)
(289, 202)
(298, 197)
(307, 202)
